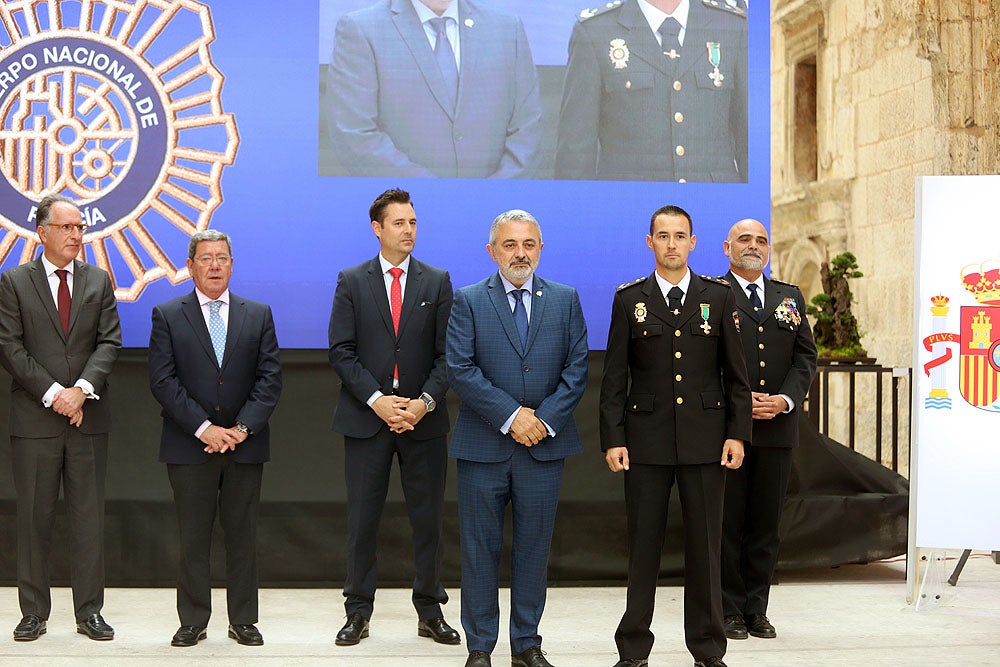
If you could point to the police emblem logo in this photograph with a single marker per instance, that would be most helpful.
(619, 53)
(117, 106)
(640, 312)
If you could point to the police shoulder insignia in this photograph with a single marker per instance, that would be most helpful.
(717, 281)
(781, 282)
(735, 7)
(597, 11)
(630, 283)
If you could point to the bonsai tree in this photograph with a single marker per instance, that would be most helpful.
(834, 326)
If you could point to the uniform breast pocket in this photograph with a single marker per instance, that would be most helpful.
(786, 325)
(705, 329)
(647, 331)
(628, 82)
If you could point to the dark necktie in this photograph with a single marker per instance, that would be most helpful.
(758, 307)
(670, 31)
(674, 297)
(63, 301)
(396, 306)
(520, 316)
(445, 56)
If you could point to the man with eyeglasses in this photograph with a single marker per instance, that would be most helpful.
(59, 339)
(214, 367)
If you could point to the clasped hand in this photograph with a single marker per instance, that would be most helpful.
(527, 429)
(399, 413)
(219, 440)
(69, 403)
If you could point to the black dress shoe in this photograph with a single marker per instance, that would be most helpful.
(710, 662)
(735, 627)
(759, 626)
(438, 630)
(353, 631)
(247, 635)
(188, 635)
(95, 628)
(29, 629)
(478, 659)
(632, 662)
(532, 657)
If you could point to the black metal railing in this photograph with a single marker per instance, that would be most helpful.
(866, 386)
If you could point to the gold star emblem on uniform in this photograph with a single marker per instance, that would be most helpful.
(619, 53)
(640, 312)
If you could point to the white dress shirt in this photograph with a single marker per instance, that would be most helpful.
(50, 275)
(655, 17)
(387, 277)
(425, 14)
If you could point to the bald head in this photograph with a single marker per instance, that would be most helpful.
(747, 248)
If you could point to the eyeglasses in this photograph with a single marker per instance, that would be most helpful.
(67, 228)
(206, 260)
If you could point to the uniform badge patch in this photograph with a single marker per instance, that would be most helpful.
(619, 53)
(640, 312)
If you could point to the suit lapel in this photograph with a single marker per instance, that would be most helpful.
(376, 282)
(414, 279)
(499, 298)
(234, 328)
(537, 310)
(741, 296)
(41, 283)
(692, 301)
(773, 294)
(192, 312)
(695, 37)
(412, 32)
(81, 274)
(641, 41)
(471, 48)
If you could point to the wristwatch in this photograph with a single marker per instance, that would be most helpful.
(429, 401)
(243, 428)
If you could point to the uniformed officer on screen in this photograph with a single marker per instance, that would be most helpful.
(656, 90)
(675, 407)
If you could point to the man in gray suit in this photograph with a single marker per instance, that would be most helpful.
(59, 339)
(433, 88)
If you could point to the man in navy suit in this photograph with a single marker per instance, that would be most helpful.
(214, 369)
(387, 332)
(781, 362)
(425, 88)
(517, 356)
(59, 339)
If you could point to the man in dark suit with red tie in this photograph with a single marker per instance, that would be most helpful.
(387, 344)
(59, 339)
(214, 368)
(781, 362)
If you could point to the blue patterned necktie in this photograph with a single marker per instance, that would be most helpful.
(217, 329)
(520, 316)
(444, 54)
(758, 307)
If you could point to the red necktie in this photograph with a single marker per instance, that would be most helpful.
(396, 305)
(64, 299)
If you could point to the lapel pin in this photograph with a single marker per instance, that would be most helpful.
(538, 293)
(469, 23)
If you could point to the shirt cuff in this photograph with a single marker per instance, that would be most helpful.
(88, 389)
(50, 395)
(548, 428)
(374, 397)
(201, 429)
(510, 420)
(791, 403)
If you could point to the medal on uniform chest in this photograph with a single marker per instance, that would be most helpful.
(705, 326)
(618, 53)
(715, 57)
(640, 312)
(736, 320)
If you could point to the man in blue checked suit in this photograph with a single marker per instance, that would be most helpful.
(517, 357)
(408, 100)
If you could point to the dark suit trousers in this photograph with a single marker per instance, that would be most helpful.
(647, 495)
(80, 462)
(423, 465)
(531, 488)
(755, 496)
(234, 490)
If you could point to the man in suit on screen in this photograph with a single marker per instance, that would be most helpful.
(387, 330)
(781, 362)
(517, 356)
(59, 339)
(433, 88)
(214, 369)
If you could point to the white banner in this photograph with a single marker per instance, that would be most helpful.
(955, 461)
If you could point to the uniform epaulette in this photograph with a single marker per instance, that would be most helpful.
(717, 281)
(782, 282)
(629, 284)
(736, 7)
(597, 11)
